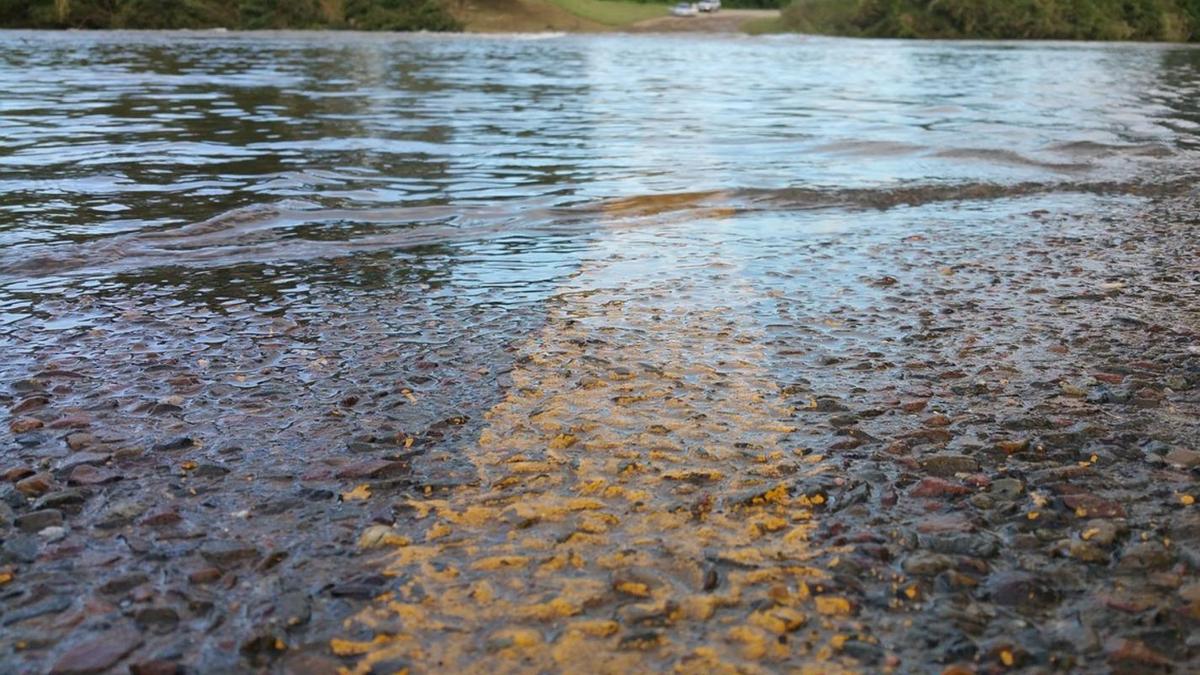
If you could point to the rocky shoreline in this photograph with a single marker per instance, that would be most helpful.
(981, 437)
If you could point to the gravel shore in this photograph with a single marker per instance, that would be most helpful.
(955, 439)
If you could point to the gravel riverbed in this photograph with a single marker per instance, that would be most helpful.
(949, 441)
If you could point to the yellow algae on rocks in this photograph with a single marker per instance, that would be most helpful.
(700, 607)
(597, 524)
(410, 555)
(514, 638)
(596, 628)
(563, 441)
(585, 505)
(497, 562)
(634, 588)
(437, 531)
(359, 493)
(757, 644)
(827, 604)
(694, 475)
(779, 620)
(443, 574)
(379, 536)
(557, 608)
(352, 648)
(483, 593)
(634, 508)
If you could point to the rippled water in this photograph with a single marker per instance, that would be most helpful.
(467, 267)
(130, 152)
(277, 173)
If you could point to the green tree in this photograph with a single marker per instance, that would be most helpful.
(259, 14)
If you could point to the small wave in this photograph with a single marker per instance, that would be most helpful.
(1095, 150)
(297, 230)
(870, 148)
(1011, 158)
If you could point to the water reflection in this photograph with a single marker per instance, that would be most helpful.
(292, 147)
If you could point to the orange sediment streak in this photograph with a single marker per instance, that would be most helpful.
(632, 511)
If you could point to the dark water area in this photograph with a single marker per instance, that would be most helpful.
(245, 275)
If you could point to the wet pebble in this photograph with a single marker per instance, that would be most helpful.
(23, 425)
(21, 548)
(35, 485)
(948, 464)
(1007, 488)
(87, 475)
(225, 554)
(96, 654)
(38, 520)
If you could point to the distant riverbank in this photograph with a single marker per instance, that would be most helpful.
(480, 16)
(1146, 20)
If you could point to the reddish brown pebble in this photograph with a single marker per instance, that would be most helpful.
(1136, 651)
(35, 485)
(71, 422)
(1013, 447)
(79, 440)
(938, 421)
(1092, 506)
(97, 654)
(159, 667)
(1110, 378)
(15, 473)
(23, 425)
(914, 406)
(86, 474)
(946, 522)
(205, 576)
(161, 518)
(31, 403)
(936, 487)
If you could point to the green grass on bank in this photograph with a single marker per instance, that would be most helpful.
(613, 12)
(1165, 20)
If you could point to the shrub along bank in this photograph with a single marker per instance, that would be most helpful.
(1166, 20)
(247, 14)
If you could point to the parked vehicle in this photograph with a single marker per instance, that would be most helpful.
(712, 6)
(685, 9)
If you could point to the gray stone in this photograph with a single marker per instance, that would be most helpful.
(923, 563)
(948, 464)
(120, 513)
(228, 553)
(1188, 459)
(21, 548)
(39, 520)
(97, 654)
(1007, 488)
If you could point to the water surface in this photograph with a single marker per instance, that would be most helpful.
(248, 273)
(134, 152)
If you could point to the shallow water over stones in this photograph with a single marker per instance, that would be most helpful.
(374, 352)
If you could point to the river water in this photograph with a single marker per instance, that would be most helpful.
(139, 153)
(590, 289)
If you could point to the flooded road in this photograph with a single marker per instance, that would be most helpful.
(721, 354)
